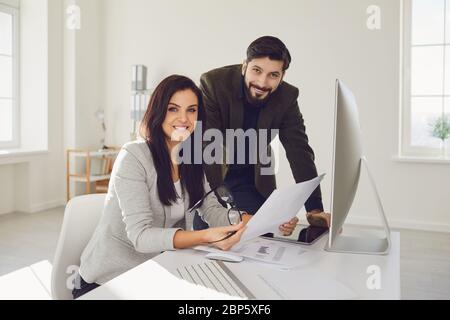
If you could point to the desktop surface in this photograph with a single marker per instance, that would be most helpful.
(319, 275)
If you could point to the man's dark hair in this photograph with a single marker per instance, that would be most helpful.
(270, 47)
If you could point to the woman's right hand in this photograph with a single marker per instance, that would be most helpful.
(214, 234)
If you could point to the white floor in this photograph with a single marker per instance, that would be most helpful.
(26, 239)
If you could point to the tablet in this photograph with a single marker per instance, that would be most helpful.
(306, 235)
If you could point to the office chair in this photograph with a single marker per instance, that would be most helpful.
(81, 217)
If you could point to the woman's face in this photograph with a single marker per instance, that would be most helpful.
(181, 117)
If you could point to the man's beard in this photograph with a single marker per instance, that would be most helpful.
(254, 101)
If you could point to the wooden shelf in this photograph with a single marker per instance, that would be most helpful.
(94, 154)
(101, 180)
(91, 178)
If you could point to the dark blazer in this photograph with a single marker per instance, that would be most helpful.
(224, 103)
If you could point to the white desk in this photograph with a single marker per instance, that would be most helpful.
(29, 283)
(350, 270)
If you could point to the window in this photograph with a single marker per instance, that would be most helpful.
(426, 76)
(9, 76)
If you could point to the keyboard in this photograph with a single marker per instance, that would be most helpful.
(214, 275)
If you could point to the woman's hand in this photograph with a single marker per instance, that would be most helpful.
(246, 217)
(215, 234)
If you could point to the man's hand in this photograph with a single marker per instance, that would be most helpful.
(288, 227)
(318, 218)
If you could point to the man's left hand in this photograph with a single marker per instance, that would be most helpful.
(288, 227)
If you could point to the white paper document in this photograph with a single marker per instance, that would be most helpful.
(281, 254)
(282, 205)
(320, 286)
(269, 251)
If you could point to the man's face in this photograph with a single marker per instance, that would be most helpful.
(262, 77)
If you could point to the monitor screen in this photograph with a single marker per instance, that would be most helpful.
(347, 156)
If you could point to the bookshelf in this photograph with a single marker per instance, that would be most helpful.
(98, 167)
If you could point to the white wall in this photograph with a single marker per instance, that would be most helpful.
(7, 188)
(61, 87)
(36, 182)
(47, 179)
(12, 3)
(83, 76)
(34, 74)
(83, 82)
(89, 74)
(327, 39)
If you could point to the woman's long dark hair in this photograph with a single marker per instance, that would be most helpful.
(191, 175)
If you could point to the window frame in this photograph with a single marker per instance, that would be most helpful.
(406, 149)
(14, 11)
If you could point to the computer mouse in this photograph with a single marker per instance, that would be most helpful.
(224, 257)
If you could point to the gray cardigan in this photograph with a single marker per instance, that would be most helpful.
(134, 224)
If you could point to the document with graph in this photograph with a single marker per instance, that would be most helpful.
(282, 205)
(285, 255)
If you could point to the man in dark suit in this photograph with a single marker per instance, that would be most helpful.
(253, 96)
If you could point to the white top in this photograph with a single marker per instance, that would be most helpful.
(177, 209)
(266, 281)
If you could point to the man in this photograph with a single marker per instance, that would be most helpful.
(254, 96)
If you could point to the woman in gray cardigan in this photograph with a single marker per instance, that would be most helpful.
(146, 208)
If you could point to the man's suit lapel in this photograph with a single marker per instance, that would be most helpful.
(236, 104)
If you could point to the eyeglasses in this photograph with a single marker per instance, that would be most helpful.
(234, 214)
(222, 193)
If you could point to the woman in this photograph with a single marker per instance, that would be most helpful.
(149, 194)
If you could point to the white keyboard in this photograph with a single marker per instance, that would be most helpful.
(215, 275)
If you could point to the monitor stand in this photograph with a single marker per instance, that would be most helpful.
(364, 244)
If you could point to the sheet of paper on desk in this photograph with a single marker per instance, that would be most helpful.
(284, 255)
(269, 251)
(282, 205)
(313, 286)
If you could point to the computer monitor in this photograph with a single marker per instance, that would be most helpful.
(348, 159)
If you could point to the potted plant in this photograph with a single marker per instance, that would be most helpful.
(441, 130)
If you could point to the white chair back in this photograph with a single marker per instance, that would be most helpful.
(81, 217)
